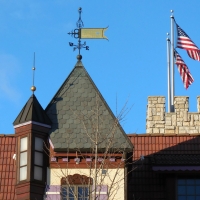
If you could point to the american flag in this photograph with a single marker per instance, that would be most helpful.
(184, 42)
(183, 70)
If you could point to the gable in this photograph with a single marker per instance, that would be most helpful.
(79, 115)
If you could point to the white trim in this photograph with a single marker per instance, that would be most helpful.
(32, 122)
(52, 192)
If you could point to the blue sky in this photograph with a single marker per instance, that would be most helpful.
(131, 66)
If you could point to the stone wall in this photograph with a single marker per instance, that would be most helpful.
(178, 122)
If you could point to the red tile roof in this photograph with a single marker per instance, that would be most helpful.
(146, 184)
(7, 167)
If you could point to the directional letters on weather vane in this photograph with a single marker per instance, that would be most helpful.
(85, 33)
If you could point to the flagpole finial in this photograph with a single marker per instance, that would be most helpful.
(172, 13)
(167, 37)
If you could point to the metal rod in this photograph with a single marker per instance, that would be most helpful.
(168, 75)
(33, 68)
(172, 62)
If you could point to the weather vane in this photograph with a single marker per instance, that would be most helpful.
(85, 33)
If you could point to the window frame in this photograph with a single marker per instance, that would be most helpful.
(189, 185)
(75, 191)
(34, 157)
(76, 181)
(27, 160)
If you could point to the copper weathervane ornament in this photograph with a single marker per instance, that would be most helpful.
(85, 33)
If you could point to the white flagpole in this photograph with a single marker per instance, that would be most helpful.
(172, 62)
(168, 74)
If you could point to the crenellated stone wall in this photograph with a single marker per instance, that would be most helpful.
(178, 122)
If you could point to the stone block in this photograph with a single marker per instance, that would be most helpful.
(152, 105)
(170, 131)
(159, 125)
(154, 111)
(161, 100)
(162, 130)
(150, 124)
(160, 122)
(149, 130)
(179, 123)
(173, 116)
(186, 118)
(151, 98)
(155, 102)
(170, 127)
(162, 116)
(174, 123)
(186, 124)
(168, 122)
(168, 118)
(159, 105)
(150, 119)
(196, 123)
(198, 104)
(149, 112)
(156, 130)
(156, 118)
(193, 131)
(191, 120)
(196, 117)
(182, 105)
(182, 98)
(182, 131)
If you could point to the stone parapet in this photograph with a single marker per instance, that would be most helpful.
(178, 122)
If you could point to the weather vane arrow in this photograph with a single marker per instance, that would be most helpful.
(85, 33)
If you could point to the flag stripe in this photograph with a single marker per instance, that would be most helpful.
(184, 42)
(183, 70)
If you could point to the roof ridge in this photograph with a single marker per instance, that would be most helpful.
(162, 134)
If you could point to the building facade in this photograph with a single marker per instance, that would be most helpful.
(75, 149)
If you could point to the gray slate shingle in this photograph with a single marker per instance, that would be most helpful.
(75, 111)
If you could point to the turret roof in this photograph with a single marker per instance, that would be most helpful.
(79, 114)
(32, 111)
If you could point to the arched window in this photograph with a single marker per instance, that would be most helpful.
(76, 187)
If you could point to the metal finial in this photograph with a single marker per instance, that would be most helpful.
(167, 37)
(76, 34)
(79, 23)
(33, 88)
(79, 57)
(172, 13)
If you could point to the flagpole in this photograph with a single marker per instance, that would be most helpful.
(168, 74)
(172, 62)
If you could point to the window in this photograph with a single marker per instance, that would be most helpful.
(80, 192)
(76, 187)
(23, 159)
(188, 189)
(38, 159)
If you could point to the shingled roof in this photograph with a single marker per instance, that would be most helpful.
(175, 152)
(7, 167)
(77, 110)
(32, 111)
